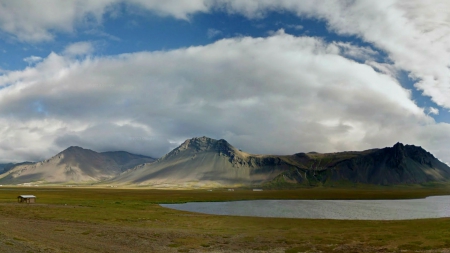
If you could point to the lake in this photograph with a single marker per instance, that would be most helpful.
(404, 209)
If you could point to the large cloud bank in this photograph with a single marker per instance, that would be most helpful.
(415, 34)
(280, 94)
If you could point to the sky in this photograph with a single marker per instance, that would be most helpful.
(270, 77)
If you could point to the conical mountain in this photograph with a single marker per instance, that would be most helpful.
(204, 161)
(75, 165)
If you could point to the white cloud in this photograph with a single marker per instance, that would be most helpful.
(79, 48)
(35, 21)
(212, 33)
(32, 59)
(355, 52)
(177, 8)
(295, 27)
(281, 94)
(433, 110)
(414, 34)
(384, 68)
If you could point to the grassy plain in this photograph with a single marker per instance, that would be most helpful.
(82, 219)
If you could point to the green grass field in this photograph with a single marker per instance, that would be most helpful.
(109, 213)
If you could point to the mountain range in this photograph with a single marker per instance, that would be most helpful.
(206, 162)
(73, 165)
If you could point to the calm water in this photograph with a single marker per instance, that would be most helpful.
(431, 207)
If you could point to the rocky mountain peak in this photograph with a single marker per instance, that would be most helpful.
(398, 150)
(73, 149)
(201, 144)
(398, 145)
(76, 151)
(204, 143)
(198, 143)
(399, 153)
(411, 151)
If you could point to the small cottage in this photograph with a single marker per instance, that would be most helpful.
(26, 199)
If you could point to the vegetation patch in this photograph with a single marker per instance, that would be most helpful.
(174, 245)
(304, 248)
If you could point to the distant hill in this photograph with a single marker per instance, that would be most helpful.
(207, 162)
(75, 165)
(4, 167)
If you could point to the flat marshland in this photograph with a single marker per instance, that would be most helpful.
(78, 219)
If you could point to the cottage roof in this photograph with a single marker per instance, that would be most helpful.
(27, 196)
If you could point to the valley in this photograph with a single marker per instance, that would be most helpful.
(110, 202)
(81, 219)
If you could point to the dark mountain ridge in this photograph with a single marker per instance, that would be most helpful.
(400, 164)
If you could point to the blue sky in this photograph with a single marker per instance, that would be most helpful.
(270, 77)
